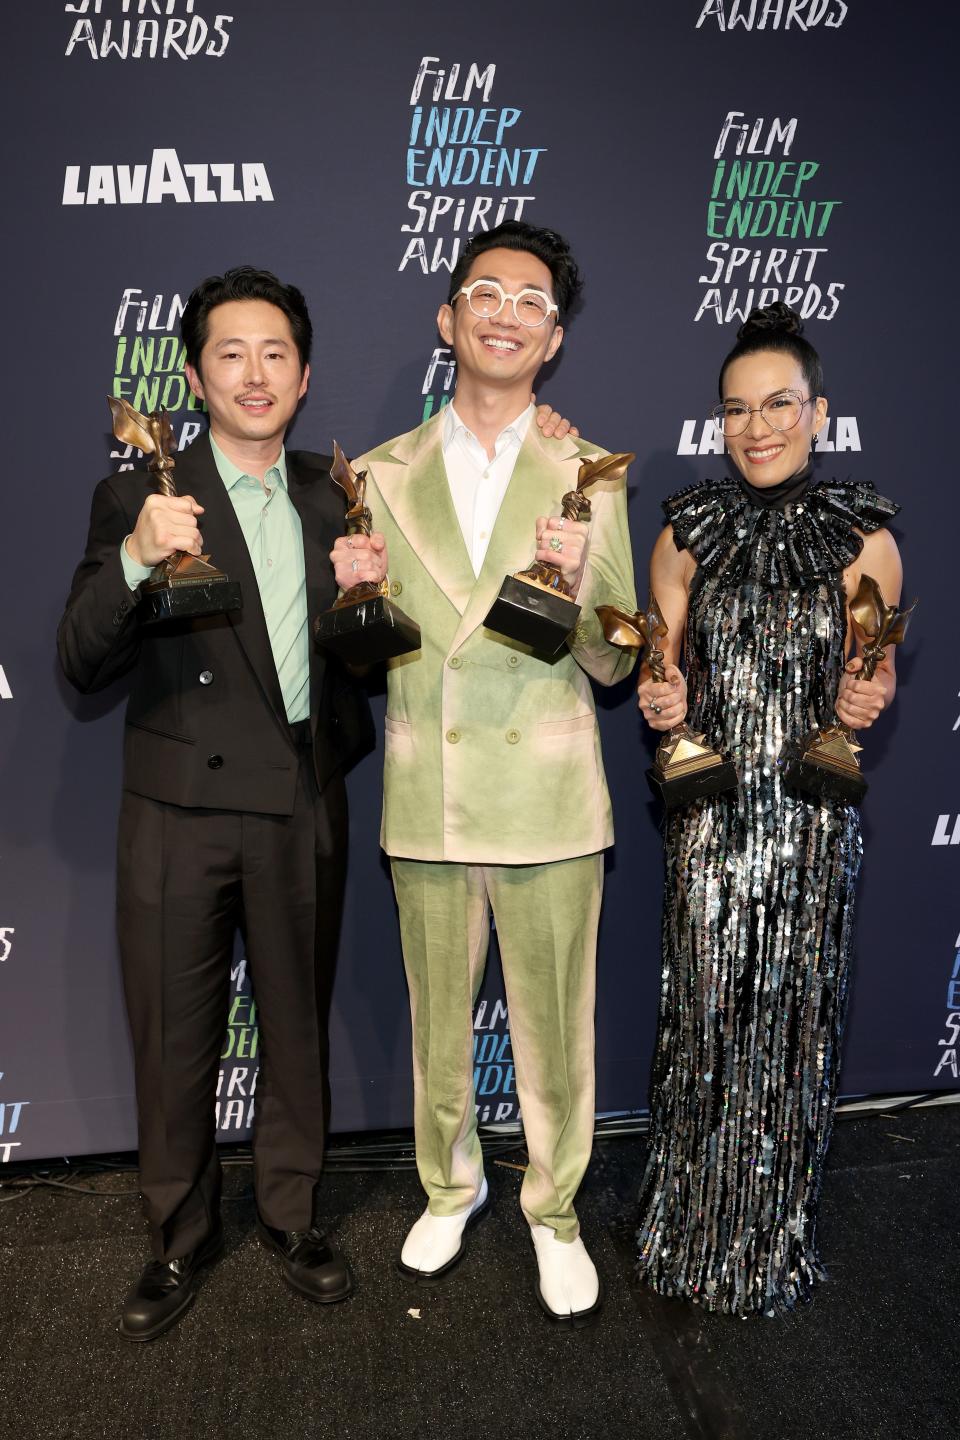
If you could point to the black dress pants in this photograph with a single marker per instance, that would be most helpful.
(187, 881)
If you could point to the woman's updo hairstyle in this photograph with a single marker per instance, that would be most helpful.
(776, 327)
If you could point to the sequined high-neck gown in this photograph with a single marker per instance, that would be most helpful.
(758, 908)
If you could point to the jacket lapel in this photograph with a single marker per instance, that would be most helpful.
(197, 474)
(416, 491)
(544, 472)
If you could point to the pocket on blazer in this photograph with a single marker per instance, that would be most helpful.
(399, 728)
(577, 724)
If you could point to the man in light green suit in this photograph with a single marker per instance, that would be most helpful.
(494, 791)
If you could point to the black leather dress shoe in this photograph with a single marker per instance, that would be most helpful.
(310, 1263)
(166, 1290)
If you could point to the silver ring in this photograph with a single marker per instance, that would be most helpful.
(354, 566)
(560, 522)
(655, 709)
(556, 544)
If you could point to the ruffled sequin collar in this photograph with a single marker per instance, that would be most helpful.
(814, 538)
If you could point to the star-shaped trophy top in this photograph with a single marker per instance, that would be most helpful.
(575, 504)
(354, 486)
(152, 433)
(643, 630)
(876, 623)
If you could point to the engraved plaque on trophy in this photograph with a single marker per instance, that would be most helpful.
(535, 606)
(686, 767)
(364, 625)
(824, 762)
(182, 587)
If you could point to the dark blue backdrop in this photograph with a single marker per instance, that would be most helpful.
(157, 149)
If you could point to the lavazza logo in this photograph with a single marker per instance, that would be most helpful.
(166, 177)
(701, 437)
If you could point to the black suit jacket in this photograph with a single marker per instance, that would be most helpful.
(176, 724)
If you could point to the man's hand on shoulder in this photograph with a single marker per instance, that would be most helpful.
(551, 422)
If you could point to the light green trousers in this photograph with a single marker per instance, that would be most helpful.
(546, 918)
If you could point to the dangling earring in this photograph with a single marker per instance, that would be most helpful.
(812, 453)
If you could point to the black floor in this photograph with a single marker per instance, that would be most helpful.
(873, 1358)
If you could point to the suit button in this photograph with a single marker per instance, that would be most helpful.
(206, 677)
(396, 588)
(454, 662)
(513, 660)
(215, 762)
(453, 737)
(513, 736)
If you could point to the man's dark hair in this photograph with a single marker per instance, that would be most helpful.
(547, 245)
(243, 283)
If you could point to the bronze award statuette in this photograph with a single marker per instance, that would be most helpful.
(824, 762)
(685, 767)
(364, 626)
(535, 606)
(182, 587)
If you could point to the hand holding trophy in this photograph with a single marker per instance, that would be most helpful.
(535, 606)
(182, 587)
(685, 768)
(364, 626)
(824, 762)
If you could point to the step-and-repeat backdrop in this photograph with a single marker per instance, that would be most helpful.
(702, 158)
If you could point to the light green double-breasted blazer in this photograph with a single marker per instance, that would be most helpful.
(492, 754)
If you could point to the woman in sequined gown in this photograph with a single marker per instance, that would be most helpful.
(753, 576)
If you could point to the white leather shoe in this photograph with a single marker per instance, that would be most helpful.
(436, 1242)
(569, 1288)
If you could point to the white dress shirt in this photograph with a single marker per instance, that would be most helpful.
(477, 483)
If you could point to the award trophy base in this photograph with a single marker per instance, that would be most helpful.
(186, 587)
(366, 630)
(824, 764)
(533, 614)
(686, 769)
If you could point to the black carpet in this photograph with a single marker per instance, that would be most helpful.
(873, 1358)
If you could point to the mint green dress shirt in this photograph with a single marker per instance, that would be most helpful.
(274, 536)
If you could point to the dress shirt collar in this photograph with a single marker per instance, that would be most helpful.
(516, 430)
(231, 474)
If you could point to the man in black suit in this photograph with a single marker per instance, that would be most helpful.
(234, 812)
